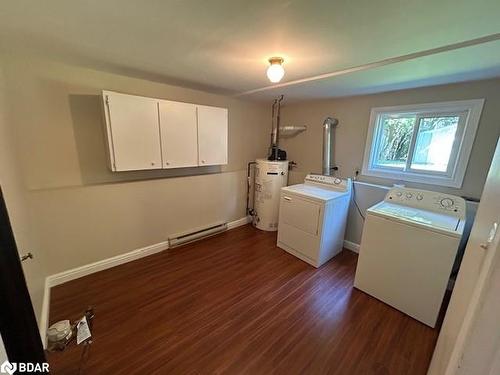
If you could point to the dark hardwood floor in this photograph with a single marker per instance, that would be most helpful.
(237, 304)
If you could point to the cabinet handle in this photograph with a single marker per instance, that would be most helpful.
(167, 163)
(203, 161)
(152, 163)
(287, 198)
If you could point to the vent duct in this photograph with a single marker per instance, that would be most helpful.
(274, 151)
(291, 130)
(328, 125)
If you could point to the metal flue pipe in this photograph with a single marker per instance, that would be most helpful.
(328, 126)
(276, 121)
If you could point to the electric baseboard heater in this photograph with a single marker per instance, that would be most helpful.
(195, 235)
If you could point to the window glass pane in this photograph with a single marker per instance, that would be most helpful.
(394, 141)
(434, 143)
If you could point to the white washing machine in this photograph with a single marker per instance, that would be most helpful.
(312, 218)
(409, 244)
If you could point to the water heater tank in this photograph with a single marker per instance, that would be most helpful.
(270, 177)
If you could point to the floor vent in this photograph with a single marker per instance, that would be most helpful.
(197, 234)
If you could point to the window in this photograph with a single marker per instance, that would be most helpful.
(427, 143)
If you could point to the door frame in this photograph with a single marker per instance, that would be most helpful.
(472, 284)
(18, 326)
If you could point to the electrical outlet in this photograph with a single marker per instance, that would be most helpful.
(357, 172)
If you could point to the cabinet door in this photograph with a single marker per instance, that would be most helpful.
(179, 137)
(212, 135)
(133, 132)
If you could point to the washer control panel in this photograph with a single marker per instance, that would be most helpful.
(428, 200)
(331, 181)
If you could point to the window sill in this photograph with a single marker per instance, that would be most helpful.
(454, 182)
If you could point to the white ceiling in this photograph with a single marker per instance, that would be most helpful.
(223, 45)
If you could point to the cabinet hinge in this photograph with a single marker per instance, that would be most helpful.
(107, 100)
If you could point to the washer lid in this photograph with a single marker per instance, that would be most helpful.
(437, 222)
(313, 191)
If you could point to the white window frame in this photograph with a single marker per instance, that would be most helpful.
(470, 113)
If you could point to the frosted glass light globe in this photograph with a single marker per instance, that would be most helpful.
(275, 72)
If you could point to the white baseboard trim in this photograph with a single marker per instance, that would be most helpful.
(75, 273)
(351, 246)
(238, 223)
(44, 314)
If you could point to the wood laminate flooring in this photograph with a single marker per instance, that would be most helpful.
(236, 304)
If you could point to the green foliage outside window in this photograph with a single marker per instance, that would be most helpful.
(395, 140)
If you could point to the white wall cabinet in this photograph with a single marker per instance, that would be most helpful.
(179, 134)
(132, 132)
(212, 135)
(147, 133)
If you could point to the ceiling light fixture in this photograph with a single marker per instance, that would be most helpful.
(275, 71)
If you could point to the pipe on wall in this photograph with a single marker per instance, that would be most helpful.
(328, 125)
(276, 113)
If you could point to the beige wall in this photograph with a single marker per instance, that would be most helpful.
(350, 137)
(354, 113)
(3, 354)
(15, 196)
(84, 212)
